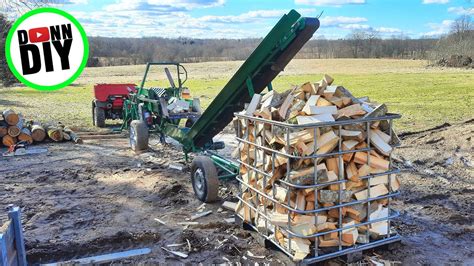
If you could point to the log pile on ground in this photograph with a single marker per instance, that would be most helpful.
(305, 105)
(14, 128)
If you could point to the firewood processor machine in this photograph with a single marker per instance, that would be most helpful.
(147, 110)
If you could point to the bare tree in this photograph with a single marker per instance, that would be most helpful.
(356, 42)
(6, 77)
(462, 26)
(10, 9)
(18, 7)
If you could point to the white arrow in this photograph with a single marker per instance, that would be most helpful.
(38, 34)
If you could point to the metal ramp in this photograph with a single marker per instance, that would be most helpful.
(270, 58)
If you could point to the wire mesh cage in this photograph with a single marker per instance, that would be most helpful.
(318, 190)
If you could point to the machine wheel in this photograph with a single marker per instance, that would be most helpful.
(189, 122)
(204, 179)
(99, 117)
(138, 135)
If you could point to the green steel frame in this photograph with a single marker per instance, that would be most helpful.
(270, 58)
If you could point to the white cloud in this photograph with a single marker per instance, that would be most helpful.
(252, 16)
(180, 23)
(459, 10)
(388, 30)
(135, 23)
(189, 4)
(79, 2)
(162, 5)
(355, 26)
(381, 30)
(69, 2)
(439, 29)
(335, 21)
(427, 2)
(329, 2)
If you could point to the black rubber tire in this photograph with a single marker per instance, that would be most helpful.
(189, 123)
(99, 117)
(204, 179)
(138, 136)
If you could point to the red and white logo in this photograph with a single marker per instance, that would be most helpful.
(46, 49)
(38, 34)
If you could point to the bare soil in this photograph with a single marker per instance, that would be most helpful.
(99, 197)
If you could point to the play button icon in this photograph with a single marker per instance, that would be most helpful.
(39, 34)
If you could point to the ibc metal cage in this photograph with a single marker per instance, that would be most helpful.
(265, 199)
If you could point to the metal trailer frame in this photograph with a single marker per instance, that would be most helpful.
(270, 57)
(318, 254)
(12, 244)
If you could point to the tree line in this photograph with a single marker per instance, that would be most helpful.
(358, 44)
(459, 43)
(125, 51)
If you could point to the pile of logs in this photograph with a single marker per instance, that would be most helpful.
(350, 176)
(14, 128)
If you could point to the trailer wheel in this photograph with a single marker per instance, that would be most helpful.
(138, 136)
(99, 117)
(204, 179)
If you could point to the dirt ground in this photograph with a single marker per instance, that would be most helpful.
(100, 197)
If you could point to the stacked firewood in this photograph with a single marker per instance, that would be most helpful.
(347, 174)
(15, 128)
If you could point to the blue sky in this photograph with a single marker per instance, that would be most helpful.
(247, 18)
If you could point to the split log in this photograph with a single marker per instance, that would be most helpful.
(375, 191)
(350, 111)
(311, 103)
(309, 87)
(25, 135)
(375, 162)
(380, 144)
(10, 117)
(254, 103)
(318, 110)
(329, 91)
(301, 120)
(283, 110)
(328, 79)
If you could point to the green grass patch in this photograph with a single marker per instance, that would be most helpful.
(423, 99)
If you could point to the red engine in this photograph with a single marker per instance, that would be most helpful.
(108, 102)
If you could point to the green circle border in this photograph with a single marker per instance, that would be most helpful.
(32, 13)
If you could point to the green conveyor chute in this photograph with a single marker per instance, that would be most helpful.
(270, 58)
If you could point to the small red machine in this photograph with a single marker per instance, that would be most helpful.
(108, 102)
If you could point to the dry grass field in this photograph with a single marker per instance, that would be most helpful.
(425, 96)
